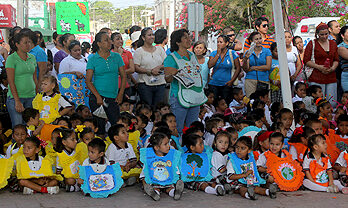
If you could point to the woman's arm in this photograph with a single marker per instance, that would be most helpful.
(91, 87)
(343, 52)
(266, 67)
(169, 72)
(212, 60)
(37, 85)
(122, 74)
(298, 68)
(11, 82)
(236, 73)
(42, 70)
(131, 68)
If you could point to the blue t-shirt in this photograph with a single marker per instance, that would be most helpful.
(205, 71)
(168, 52)
(222, 74)
(40, 56)
(105, 73)
(259, 61)
(169, 61)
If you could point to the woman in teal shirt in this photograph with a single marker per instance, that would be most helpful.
(102, 79)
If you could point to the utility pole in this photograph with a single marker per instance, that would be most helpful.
(172, 16)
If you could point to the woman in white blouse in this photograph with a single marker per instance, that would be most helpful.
(148, 60)
(75, 63)
(294, 61)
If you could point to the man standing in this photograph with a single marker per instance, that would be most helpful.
(334, 30)
(261, 25)
(235, 44)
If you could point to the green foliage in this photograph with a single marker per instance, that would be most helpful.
(194, 159)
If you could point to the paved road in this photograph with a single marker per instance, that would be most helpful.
(133, 197)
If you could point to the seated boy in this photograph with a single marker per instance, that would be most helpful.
(31, 117)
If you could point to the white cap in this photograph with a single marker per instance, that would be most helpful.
(135, 36)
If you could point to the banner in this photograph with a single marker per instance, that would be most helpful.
(72, 17)
(74, 89)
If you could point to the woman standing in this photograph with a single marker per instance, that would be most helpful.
(184, 101)
(22, 78)
(74, 63)
(324, 64)
(343, 55)
(222, 79)
(148, 60)
(298, 43)
(256, 65)
(64, 40)
(127, 58)
(102, 79)
(294, 62)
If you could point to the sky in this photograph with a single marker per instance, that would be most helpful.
(127, 3)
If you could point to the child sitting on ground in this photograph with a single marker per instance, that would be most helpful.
(300, 92)
(19, 134)
(313, 92)
(299, 143)
(212, 127)
(31, 118)
(237, 104)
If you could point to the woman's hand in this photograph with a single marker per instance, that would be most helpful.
(100, 100)
(119, 98)
(79, 75)
(19, 106)
(156, 71)
(229, 83)
(323, 69)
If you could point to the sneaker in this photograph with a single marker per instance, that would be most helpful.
(273, 191)
(251, 193)
(331, 189)
(228, 188)
(179, 188)
(345, 190)
(53, 190)
(149, 190)
(28, 191)
(220, 191)
(130, 181)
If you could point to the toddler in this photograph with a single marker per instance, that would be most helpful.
(237, 103)
(19, 134)
(31, 117)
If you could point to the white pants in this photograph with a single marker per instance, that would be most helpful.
(316, 187)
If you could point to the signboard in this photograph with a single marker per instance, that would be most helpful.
(74, 89)
(7, 16)
(195, 18)
(72, 17)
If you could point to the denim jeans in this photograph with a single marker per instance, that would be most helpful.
(344, 81)
(151, 95)
(329, 91)
(112, 112)
(184, 116)
(16, 118)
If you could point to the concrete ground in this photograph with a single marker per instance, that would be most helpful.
(134, 197)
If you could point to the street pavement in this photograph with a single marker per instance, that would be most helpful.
(134, 197)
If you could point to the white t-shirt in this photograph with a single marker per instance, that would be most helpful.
(340, 160)
(119, 155)
(308, 159)
(261, 162)
(293, 152)
(209, 139)
(71, 64)
(149, 61)
(218, 162)
(292, 59)
(296, 98)
(35, 165)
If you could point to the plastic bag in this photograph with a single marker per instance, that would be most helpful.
(100, 112)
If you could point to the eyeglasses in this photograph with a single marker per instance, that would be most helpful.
(265, 25)
(231, 35)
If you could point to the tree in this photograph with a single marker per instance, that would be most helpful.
(194, 161)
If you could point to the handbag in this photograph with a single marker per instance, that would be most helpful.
(260, 84)
(307, 71)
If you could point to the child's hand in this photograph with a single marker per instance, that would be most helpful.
(249, 172)
(41, 123)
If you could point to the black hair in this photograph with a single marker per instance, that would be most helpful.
(313, 89)
(164, 130)
(225, 38)
(166, 116)
(297, 105)
(252, 35)
(220, 134)
(76, 116)
(329, 24)
(207, 92)
(259, 21)
(84, 47)
(254, 105)
(321, 103)
(191, 140)
(256, 145)
(189, 131)
(156, 139)
(133, 29)
(97, 39)
(29, 113)
(81, 107)
(284, 111)
(313, 140)
(246, 141)
(299, 114)
(64, 38)
(66, 119)
(92, 120)
(126, 117)
(342, 118)
(161, 105)
(55, 35)
(97, 143)
(160, 36)
(143, 33)
(276, 135)
(175, 38)
(259, 93)
(342, 32)
(18, 37)
(307, 131)
(217, 101)
(34, 140)
(19, 126)
(113, 35)
(294, 39)
(85, 131)
(235, 91)
(212, 123)
(73, 44)
(273, 46)
(298, 85)
(199, 42)
(114, 130)
(143, 106)
(276, 126)
(160, 123)
(197, 124)
(63, 135)
(275, 109)
(144, 119)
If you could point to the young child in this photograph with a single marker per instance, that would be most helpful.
(220, 105)
(83, 111)
(64, 121)
(209, 105)
(96, 153)
(69, 159)
(34, 173)
(299, 143)
(341, 166)
(19, 134)
(157, 175)
(261, 144)
(300, 92)
(31, 117)
(286, 117)
(120, 151)
(75, 120)
(344, 101)
(50, 103)
(133, 134)
(324, 110)
(274, 77)
(142, 122)
(170, 119)
(212, 127)
(194, 144)
(313, 92)
(234, 136)
(237, 103)
(163, 108)
(315, 124)
(147, 111)
(242, 171)
(317, 167)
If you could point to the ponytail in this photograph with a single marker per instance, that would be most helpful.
(98, 38)
(63, 135)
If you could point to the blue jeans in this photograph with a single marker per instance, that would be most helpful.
(344, 81)
(151, 95)
(184, 116)
(329, 91)
(16, 118)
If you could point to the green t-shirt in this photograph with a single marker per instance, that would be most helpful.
(24, 71)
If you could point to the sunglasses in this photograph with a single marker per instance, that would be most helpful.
(231, 35)
(265, 25)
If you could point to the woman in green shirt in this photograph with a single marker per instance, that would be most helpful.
(21, 75)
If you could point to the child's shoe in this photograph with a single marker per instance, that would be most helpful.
(28, 191)
(228, 188)
(251, 193)
(332, 189)
(345, 190)
(53, 190)
(179, 188)
(130, 181)
(74, 188)
(220, 191)
(149, 190)
(273, 188)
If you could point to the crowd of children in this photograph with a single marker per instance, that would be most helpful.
(248, 146)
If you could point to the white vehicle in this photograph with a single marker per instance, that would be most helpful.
(306, 27)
